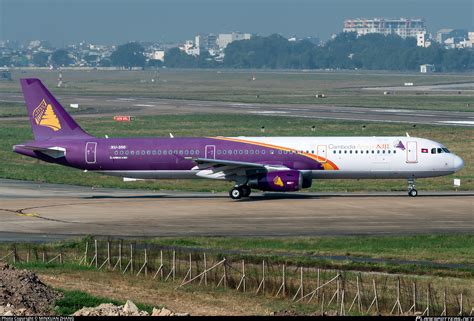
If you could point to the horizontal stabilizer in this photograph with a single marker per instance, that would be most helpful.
(54, 151)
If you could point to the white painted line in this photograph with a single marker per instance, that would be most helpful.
(268, 112)
(392, 111)
(126, 99)
(460, 122)
(143, 105)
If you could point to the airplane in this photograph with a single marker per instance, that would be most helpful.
(280, 164)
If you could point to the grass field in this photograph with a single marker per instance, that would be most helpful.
(15, 166)
(83, 285)
(285, 87)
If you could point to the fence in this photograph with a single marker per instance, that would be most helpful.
(329, 291)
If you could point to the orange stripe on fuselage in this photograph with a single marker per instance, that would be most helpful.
(326, 163)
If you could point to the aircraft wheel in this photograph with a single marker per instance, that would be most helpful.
(413, 192)
(246, 191)
(236, 193)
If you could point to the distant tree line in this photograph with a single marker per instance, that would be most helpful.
(345, 51)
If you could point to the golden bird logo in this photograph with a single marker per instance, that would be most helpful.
(44, 116)
(277, 181)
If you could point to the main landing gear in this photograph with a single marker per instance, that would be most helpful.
(237, 192)
(411, 188)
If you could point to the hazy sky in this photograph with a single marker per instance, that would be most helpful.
(119, 21)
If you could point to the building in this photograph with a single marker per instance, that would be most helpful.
(223, 39)
(402, 27)
(190, 49)
(206, 41)
(454, 38)
(158, 55)
(423, 39)
(427, 68)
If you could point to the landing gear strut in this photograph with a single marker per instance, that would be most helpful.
(411, 188)
(237, 192)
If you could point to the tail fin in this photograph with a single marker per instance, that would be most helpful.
(47, 117)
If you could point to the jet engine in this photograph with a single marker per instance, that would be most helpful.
(279, 181)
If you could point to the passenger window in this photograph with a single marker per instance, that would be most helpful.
(247, 152)
(394, 151)
(224, 152)
(165, 152)
(389, 151)
(132, 152)
(345, 152)
(252, 152)
(263, 152)
(356, 152)
(158, 151)
(378, 152)
(116, 152)
(186, 152)
(148, 152)
(191, 152)
(197, 152)
(219, 152)
(383, 151)
(350, 151)
(334, 152)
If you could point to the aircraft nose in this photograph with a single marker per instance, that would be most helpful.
(458, 163)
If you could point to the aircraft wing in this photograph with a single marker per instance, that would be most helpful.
(226, 169)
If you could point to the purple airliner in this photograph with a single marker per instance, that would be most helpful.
(281, 164)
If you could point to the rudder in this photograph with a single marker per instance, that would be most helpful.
(47, 117)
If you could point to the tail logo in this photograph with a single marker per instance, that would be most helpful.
(277, 181)
(44, 115)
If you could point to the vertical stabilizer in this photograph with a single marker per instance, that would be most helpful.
(47, 117)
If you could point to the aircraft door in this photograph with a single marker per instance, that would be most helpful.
(321, 153)
(412, 152)
(91, 148)
(210, 152)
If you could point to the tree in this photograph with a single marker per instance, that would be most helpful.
(40, 59)
(128, 55)
(5, 61)
(177, 58)
(154, 63)
(61, 58)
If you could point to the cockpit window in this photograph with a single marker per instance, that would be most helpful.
(439, 150)
(446, 150)
(433, 151)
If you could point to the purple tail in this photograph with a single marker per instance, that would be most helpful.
(47, 117)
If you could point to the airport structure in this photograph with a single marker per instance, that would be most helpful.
(402, 27)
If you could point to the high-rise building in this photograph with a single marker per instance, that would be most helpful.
(402, 27)
(226, 38)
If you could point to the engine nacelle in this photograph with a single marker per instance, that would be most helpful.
(280, 181)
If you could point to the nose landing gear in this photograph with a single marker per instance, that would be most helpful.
(411, 188)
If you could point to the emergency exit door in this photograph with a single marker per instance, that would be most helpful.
(321, 153)
(91, 148)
